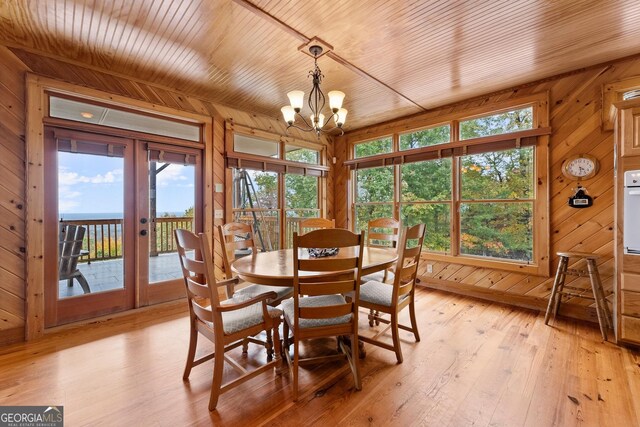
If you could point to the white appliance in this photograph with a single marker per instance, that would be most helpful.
(631, 239)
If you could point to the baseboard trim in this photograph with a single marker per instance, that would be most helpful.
(12, 335)
(524, 301)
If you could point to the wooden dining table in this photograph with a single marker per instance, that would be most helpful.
(275, 268)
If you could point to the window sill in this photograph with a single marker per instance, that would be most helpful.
(539, 269)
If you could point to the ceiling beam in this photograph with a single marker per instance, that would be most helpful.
(331, 54)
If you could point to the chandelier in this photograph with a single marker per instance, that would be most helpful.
(316, 102)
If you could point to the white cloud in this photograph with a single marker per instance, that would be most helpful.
(171, 174)
(72, 178)
(67, 199)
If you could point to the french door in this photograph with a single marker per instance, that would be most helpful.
(111, 207)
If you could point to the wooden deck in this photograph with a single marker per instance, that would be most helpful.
(478, 364)
(107, 275)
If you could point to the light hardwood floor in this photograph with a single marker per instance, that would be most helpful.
(478, 364)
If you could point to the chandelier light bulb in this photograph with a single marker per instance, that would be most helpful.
(335, 100)
(296, 98)
(342, 117)
(319, 123)
(289, 114)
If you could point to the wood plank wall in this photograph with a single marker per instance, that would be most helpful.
(13, 65)
(12, 197)
(575, 117)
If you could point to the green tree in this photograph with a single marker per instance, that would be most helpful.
(492, 228)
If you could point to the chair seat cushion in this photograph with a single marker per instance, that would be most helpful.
(317, 301)
(378, 293)
(253, 290)
(237, 320)
(378, 276)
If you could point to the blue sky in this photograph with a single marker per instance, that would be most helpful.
(95, 184)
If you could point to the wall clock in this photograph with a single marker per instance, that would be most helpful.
(580, 166)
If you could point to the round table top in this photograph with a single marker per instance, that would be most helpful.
(276, 267)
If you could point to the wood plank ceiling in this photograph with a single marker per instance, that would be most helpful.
(391, 58)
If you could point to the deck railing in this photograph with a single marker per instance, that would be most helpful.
(269, 223)
(165, 241)
(103, 238)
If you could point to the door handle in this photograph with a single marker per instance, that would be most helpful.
(143, 232)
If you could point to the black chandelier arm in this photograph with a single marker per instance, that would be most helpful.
(333, 116)
(310, 129)
(323, 128)
(305, 121)
(299, 128)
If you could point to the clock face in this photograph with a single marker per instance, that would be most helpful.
(581, 167)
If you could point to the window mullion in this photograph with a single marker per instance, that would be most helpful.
(397, 184)
(455, 205)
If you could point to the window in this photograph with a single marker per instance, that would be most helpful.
(483, 203)
(276, 186)
(302, 155)
(374, 195)
(428, 201)
(496, 204)
(426, 137)
(255, 201)
(496, 124)
(301, 201)
(103, 115)
(371, 148)
(253, 145)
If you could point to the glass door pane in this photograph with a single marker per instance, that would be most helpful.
(90, 229)
(172, 203)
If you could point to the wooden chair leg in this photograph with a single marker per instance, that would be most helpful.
(269, 345)
(245, 347)
(218, 368)
(355, 361)
(414, 323)
(558, 285)
(596, 295)
(396, 337)
(371, 317)
(554, 290)
(603, 298)
(285, 336)
(296, 361)
(277, 347)
(191, 353)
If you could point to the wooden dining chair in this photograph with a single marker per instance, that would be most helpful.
(225, 323)
(238, 239)
(382, 233)
(381, 298)
(311, 224)
(318, 307)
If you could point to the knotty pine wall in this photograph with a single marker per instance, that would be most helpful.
(12, 196)
(13, 65)
(576, 119)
